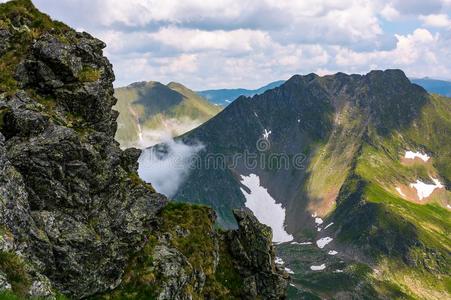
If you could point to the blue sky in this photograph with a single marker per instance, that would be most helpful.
(247, 43)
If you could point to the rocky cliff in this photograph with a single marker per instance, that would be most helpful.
(75, 217)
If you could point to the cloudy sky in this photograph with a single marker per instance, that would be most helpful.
(248, 43)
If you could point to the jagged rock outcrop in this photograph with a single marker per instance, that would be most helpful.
(252, 250)
(188, 258)
(74, 214)
(78, 209)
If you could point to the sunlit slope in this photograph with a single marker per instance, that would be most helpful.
(407, 239)
(149, 111)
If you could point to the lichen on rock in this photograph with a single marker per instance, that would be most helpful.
(79, 212)
(75, 217)
(187, 257)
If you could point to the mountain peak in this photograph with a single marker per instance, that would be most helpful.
(174, 84)
(389, 76)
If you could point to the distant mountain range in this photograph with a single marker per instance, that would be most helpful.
(352, 173)
(224, 97)
(435, 86)
(150, 112)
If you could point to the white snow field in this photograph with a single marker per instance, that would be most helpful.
(302, 243)
(328, 225)
(413, 155)
(279, 260)
(321, 243)
(398, 189)
(318, 268)
(424, 190)
(266, 134)
(265, 208)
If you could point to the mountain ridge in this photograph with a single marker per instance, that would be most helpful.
(353, 133)
(219, 96)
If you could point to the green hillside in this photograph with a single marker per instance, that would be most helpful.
(388, 215)
(149, 110)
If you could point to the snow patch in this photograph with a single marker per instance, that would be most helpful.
(279, 261)
(424, 190)
(413, 155)
(266, 134)
(299, 120)
(265, 208)
(323, 241)
(302, 243)
(319, 221)
(338, 271)
(332, 252)
(398, 189)
(328, 225)
(318, 268)
(288, 270)
(318, 229)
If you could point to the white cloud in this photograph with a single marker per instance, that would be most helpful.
(229, 43)
(437, 20)
(199, 40)
(414, 7)
(390, 13)
(167, 169)
(419, 54)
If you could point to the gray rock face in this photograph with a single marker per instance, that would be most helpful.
(68, 194)
(73, 211)
(252, 255)
(176, 271)
(4, 284)
(4, 40)
(251, 246)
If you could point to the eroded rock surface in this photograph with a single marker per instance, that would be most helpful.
(75, 217)
(70, 197)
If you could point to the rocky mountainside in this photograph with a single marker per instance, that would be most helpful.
(150, 112)
(224, 97)
(352, 172)
(76, 221)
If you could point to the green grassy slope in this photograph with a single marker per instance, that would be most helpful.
(407, 243)
(171, 108)
(388, 247)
